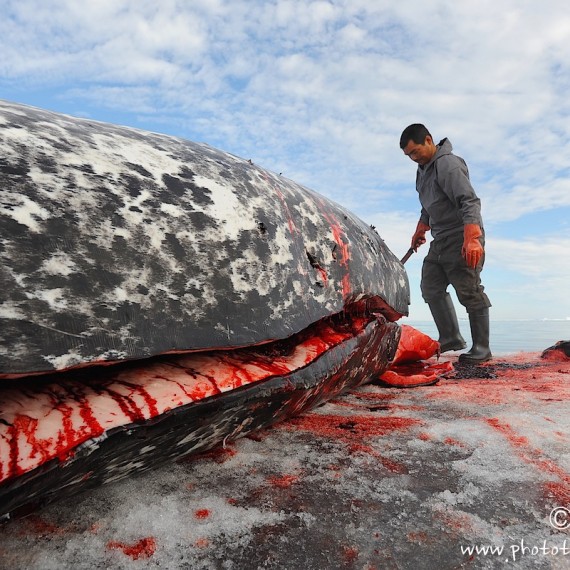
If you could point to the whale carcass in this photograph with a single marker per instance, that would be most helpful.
(160, 296)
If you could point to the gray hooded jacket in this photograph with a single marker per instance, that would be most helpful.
(448, 200)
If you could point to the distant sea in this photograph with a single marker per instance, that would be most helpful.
(508, 337)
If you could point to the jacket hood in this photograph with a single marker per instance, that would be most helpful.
(443, 147)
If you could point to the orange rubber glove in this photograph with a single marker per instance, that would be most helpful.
(472, 249)
(419, 237)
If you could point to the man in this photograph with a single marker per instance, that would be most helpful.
(452, 211)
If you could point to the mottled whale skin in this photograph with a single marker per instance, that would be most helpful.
(220, 297)
(122, 244)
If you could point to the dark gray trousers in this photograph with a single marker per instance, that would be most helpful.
(444, 265)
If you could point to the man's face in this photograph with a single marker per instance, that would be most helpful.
(420, 153)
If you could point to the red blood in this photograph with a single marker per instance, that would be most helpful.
(343, 245)
(201, 390)
(144, 548)
(390, 465)
(420, 537)
(349, 428)
(202, 513)
(451, 441)
(292, 227)
(560, 489)
(128, 407)
(93, 427)
(350, 554)
(66, 435)
(67, 438)
(352, 431)
(456, 522)
(284, 481)
(508, 432)
(37, 525)
(25, 427)
(346, 286)
(324, 276)
(150, 401)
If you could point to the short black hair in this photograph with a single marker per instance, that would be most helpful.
(416, 132)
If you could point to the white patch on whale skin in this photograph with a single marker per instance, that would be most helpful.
(281, 247)
(24, 211)
(73, 358)
(55, 298)
(59, 264)
(8, 310)
(120, 150)
(233, 216)
(245, 273)
(62, 361)
(120, 294)
(171, 210)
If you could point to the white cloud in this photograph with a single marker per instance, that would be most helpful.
(507, 205)
(546, 259)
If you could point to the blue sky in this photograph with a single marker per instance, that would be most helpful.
(321, 91)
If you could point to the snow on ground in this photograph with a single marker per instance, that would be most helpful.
(378, 478)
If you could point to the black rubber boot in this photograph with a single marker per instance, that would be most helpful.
(480, 352)
(445, 318)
